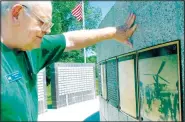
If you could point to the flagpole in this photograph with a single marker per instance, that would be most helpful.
(83, 18)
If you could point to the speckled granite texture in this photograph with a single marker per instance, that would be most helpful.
(158, 22)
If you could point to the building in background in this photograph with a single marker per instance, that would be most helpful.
(42, 93)
(72, 83)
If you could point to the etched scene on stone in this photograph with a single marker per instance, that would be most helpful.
(127, 87)
(159, 88)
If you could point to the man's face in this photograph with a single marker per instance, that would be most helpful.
(29, 31)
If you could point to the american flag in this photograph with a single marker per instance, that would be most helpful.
(77, 11)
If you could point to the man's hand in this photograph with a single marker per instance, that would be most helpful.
(124, 32)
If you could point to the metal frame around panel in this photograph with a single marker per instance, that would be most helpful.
(103, 63)
(177, 43)
(99, 78)
(118, 107)
(105, 66)
(134, 57)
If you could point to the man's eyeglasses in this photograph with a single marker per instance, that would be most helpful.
(47, 24)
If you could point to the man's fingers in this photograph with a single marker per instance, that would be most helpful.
(132, 30)
(129, 43)
(128, 19)
(130, 33)
(131, 21)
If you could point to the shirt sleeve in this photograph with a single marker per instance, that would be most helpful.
(50, 51)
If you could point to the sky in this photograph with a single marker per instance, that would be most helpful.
(105, 7)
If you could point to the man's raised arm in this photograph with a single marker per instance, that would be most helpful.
(83, 38)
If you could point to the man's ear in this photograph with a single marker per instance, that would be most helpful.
(16, 9)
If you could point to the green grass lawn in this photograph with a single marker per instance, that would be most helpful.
(96, 86)
(49, 101)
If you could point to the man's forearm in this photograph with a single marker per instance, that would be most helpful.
(84, 38)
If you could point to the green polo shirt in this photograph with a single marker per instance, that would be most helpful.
(19, 100)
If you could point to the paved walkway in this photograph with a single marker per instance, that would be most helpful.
(74, 112)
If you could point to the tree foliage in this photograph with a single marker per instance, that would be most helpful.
(64, 21)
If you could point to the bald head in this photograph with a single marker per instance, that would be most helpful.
(7, 5)
(22, 23)
(43, 9)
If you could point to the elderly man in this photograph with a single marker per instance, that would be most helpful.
(26, 49)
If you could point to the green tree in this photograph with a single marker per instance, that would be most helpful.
(64, 21)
